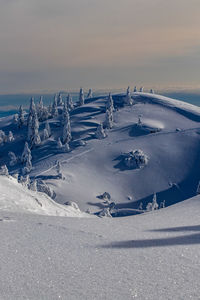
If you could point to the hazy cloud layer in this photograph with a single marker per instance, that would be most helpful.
(47, 44)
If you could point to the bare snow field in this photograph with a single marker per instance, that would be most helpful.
(123, 159)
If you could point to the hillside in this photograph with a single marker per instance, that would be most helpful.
(168, 135)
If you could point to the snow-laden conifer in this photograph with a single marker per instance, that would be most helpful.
(55, 107)
(58, 169)
(4, 170)
(89, 95)
(10, 137)
(128, 99)
(13, 158)
(47, 127)
(66, 138)
(141, 89)
(100, 132)
(135, 89)
(70, 104)
(59, 144)
(81, 97)
(20, 119)
(60, 101)
(109, 119)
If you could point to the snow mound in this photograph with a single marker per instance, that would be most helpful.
(16, 198)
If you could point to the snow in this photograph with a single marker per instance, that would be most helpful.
(16, 198)
(151, 255)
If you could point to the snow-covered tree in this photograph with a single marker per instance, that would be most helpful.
(128, 99)
(55, 107)
(59, 144)
(35, 137)
(32, 110)
(89, 95)
(152, 205)
(139, 120)
(105, 212)
(33, 185)
(10, 137)
(154, 202)
(4, 170)
(65, 113)
(58, 169)
(25, 180)
(198, 188)
(44, 188)
(13, 158)
(67, 130)
(3, 137)
(26, 154)
(20, 119)
(40, 109)
(33, 125)
(45, 134)
(70, 104)
(50, 110)
(60, 101)
(81, 97)
(140, 206)
(141, 89)
(135, 89)
(15, 119)
(109, 119)
(47, 127)
(162, 204)
(100, 132)
(66, 147)
(109, 104)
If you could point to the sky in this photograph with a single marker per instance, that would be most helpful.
(49, 45)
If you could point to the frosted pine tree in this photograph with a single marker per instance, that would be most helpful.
(81, 97)
(4, 170)
(66, 147)
(109, 104)
(70, 104)
(135, 89)
(154, 202)
(15, 119)
(58, 169)
(32, 110)
(65, 113)
(128, 99)
(67, 130)
(35, 137)
(20, 119)
(141, 89)
(26, 155)
(60, 101)
(55, 107)
(89, 95)
(198, 188)
(13, 158)
(10, 137)
(45, 134)
(33, 185)
(47, 127)
(100, 132)
(40, 109)
(59, 144)
(109, 119)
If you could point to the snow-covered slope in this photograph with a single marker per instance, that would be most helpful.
(146, 257)
(168, 135)
(16, 198)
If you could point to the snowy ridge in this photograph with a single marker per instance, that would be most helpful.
(16, 198)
